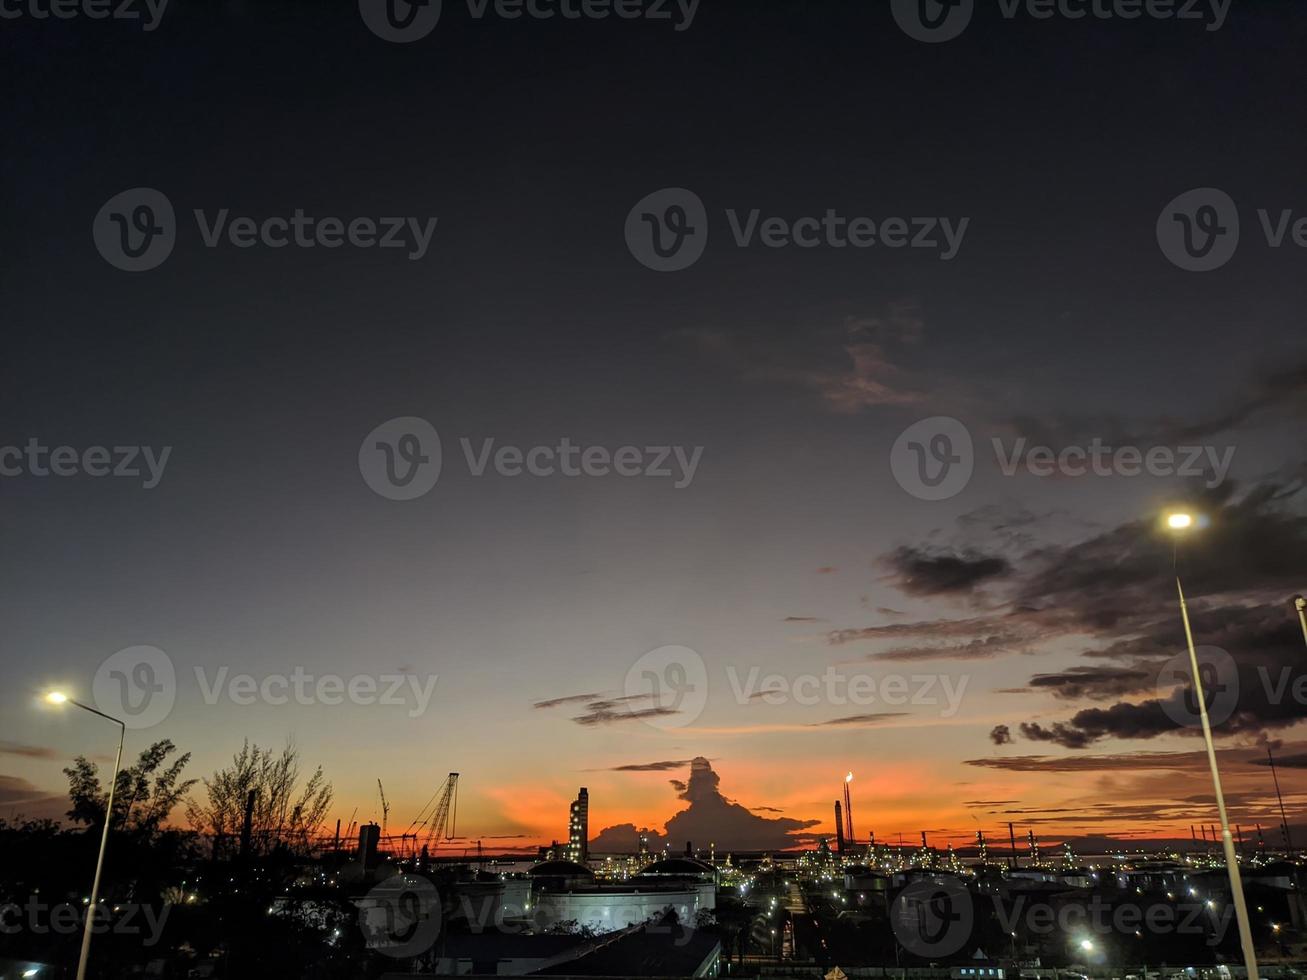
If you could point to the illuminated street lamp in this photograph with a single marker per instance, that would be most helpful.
(58, 697)
(1182, 521)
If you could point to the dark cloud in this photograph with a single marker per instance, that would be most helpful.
(1113, 594)
(604, 710)
(1000, 735)
(566, 699)
(802, 619)
(710, 817)
(1094, 683)
(28, 751)
(1298, 761)
(1128, 761)
(662, 766)
(861, 720)
(20, 796)
(922, 572)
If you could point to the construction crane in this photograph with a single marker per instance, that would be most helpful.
(385, 808)
(438, 817)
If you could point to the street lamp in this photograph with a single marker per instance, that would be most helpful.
(58, 697)
(1182, 521)
(1300, 604)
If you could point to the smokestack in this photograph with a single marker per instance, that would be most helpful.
(839, 828)
(848, 810)
(247, 825)
(1012, 839)
(336, 844)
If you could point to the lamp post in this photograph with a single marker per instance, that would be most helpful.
(58, 697)
(1178, 522)
(1300, 604)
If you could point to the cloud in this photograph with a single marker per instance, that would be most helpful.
(28, 751)
(24, 798)
(662, 766)
(920, 572)
(1000, 735)
(606, 710)
(1093, 682)
(860, 720)
(1129, 761)
(566, 699)
(1108, 595)
(802, 619)
(849, 367)
(710, 817)
(827, 570)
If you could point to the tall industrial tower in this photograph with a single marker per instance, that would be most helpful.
(578, 828)
(848, 811)
(839, 828)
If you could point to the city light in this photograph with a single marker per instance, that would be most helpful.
(1179, 521)
(56, 697)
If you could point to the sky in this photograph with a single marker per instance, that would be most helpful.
(976, 650)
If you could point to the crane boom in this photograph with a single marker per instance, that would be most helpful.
(445, 815)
